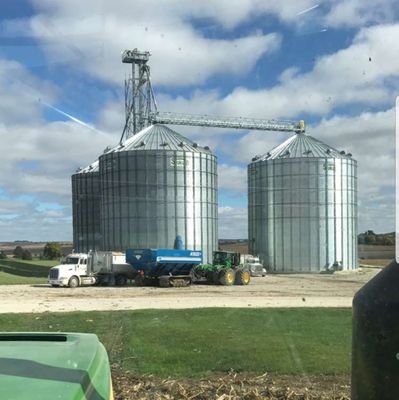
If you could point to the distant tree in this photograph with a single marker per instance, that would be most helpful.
(370, 239)
(52, 250)
(18, 251)
(3, 255)
(26, 255)
(361, 238)
(387, 240)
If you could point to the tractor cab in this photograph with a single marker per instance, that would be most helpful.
(226, 258)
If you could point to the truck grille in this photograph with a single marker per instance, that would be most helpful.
(53, 273)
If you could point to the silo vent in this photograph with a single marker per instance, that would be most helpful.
(255, 158)
(141, 144)
(342, 152)
(107, 149)
(164, 144)
(349, 154)
(195, 145)
(307, 152)
(328, 151)
(206, 148)
(181, 144)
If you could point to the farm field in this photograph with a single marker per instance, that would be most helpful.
(215, 350)
(281, 337)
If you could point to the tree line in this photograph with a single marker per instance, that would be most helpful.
(51, 251)
(369, 237)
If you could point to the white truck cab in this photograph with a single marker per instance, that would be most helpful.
(253, 264)
(96, 267)
(70, 271)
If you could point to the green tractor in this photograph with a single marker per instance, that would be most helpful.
(226, 269)
(48, 366)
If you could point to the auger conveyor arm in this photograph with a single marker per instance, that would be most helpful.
(227, 122)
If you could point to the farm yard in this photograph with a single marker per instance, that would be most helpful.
(281, 337)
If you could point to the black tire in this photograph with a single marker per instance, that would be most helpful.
(55, 285)
(139, 280)
(73, 282)
(227, 277)
(243, 277)
(209, 277)
(164, 281)
(120, 280)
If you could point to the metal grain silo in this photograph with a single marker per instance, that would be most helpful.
(86, 209)
(158, 185)
(302, 206)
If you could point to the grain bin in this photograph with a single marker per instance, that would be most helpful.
(158, 185)
(302, 207)
(86, 209)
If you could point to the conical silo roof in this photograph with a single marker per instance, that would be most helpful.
(93, 167)
(301, 145)
(160, 137)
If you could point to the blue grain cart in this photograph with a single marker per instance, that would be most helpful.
(163, 267)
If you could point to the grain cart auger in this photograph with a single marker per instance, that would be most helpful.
(226, 269)
(163, 267)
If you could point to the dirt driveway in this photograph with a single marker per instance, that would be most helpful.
(296, 290)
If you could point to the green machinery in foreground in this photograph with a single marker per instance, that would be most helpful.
(226, 269)
(43, 366)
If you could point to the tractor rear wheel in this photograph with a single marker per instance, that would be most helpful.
(243, 277)
(226, 277)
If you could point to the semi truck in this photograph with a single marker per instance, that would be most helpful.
(253, 264)
(163, 267)
(96, 267)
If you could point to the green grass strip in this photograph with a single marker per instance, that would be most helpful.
(199, 343)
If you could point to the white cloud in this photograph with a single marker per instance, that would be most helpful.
(57, 148)
(357, 74)
(370, 137)
(90, 36)
(349, 13)
(20, 93)
(364, 73)
(233, 223)
(233, 178)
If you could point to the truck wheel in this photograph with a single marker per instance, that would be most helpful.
(139, 280)
(226, 277)
(120, 280)
(243, 277)
(73, 282)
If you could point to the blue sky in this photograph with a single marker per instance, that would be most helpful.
(333, 63)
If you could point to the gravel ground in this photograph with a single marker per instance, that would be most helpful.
(294, 290)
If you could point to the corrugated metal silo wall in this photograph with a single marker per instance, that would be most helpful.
(86, 211)
(150, 196)
(303, 213)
